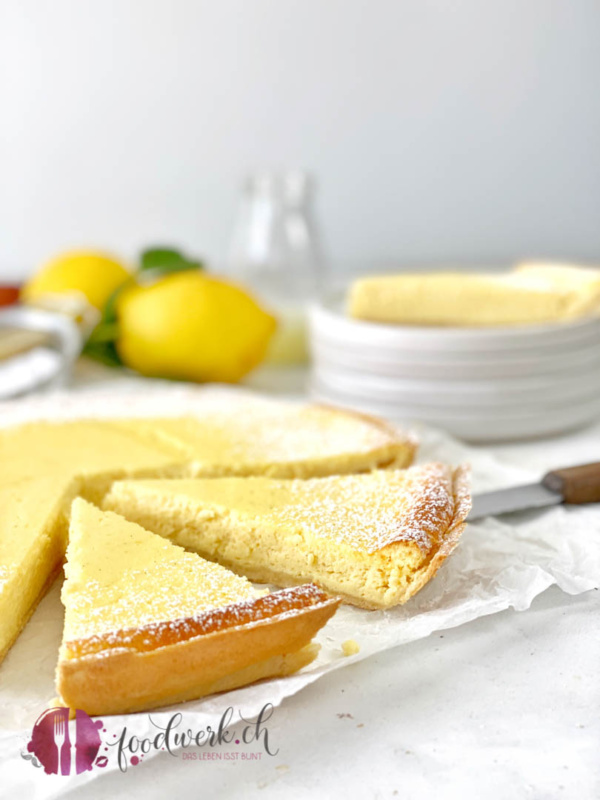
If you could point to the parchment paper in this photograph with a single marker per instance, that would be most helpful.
(500, 563)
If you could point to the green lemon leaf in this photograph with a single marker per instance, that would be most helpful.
(101, 342)
(104, 332)
(105, 352)
(164, 259)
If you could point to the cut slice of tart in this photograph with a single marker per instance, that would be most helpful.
(281, 440)
(148, 624)
(32, 544)
(374, 539)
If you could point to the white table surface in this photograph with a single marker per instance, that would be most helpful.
(507, 706)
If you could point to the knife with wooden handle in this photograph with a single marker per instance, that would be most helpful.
(572, 485)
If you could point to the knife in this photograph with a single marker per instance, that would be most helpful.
(572, 485)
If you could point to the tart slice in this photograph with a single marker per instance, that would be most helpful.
(148, 624)
(32, 545)
(374, 539)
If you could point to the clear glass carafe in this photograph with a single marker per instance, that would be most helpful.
(276, 251)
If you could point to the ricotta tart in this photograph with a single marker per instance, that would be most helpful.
(148, 624)
(91, 452)
(374, 539)
(44, 465)
(281, 440)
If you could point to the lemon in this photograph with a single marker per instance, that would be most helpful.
(90, 273)
(191, 326)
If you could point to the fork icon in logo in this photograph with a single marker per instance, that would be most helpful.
(63, 749)
(61, 730)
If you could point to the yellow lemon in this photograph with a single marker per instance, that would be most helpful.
(90, 273)
(192, 326)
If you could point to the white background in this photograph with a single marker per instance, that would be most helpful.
(439, 130)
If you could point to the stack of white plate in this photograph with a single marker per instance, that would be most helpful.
(480, 384)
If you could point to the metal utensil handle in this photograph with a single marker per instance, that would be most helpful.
(576, 484)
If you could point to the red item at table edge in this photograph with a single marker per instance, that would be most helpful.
(8, 295)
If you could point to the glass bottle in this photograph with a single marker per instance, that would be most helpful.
(276, 252)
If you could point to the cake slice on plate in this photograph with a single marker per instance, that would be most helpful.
(375, 539)
(148, 624)
(468, 299)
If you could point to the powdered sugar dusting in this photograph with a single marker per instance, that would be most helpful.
(371, 511)
(264, 434)
(121, 576)
(161, 633)
(366, 511)
(279, 439)
(250, 427)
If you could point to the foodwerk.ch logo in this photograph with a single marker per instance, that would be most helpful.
(64, 746)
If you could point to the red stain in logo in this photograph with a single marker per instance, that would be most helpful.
(63, 748)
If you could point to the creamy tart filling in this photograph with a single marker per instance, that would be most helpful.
(373, 538)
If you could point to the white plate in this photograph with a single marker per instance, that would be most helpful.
(444, 366)
(513, 393)
(433, 408)
(475, 429)
(329, 320)
(501, 355)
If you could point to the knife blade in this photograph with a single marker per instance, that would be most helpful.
(572, 485)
